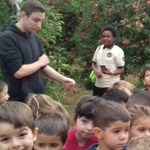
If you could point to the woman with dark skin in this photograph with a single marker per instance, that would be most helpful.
(108, 62)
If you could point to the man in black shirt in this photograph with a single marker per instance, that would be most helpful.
(22, 60)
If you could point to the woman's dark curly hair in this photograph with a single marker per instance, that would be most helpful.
(112, 30)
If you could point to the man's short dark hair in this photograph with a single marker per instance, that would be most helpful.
(32, 6)
(85, 106)
(54, 124)
(139, 97)
(17, 114)
(116, 95)
(108, 112)
(112, 30)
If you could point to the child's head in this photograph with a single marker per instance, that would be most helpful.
(112, 30)
(125, 86)
(146, 76)
(3, 93)
(111, 34)
(139, 143)
(116, 95)
(16, 126)
(140, 97)
(140, 121)
(42, 104)
(52, 132)
(111, 123)
(83, 117)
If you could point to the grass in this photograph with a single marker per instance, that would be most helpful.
(69, 98)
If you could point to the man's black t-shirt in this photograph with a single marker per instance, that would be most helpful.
(17, 49)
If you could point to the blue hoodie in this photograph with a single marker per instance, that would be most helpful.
(94, 146)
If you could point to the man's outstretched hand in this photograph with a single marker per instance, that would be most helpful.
(69, 83)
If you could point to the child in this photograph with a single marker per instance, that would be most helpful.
(125, 86)
(141, 97)
(140, 121)
(17, 130)
(108, 62)
(42, 104)
(139, 143)
(82, 136)
(146, 78)
(111, 124)
(116, 95)
(52, 132)
(3, 93)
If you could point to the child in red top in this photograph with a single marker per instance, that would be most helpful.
(82, 136)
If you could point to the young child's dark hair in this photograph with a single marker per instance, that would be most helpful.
(2, 84)
(85, 106)
(147, 68)
(108, 112)
(54, 124)
(116, 95)
(112, 30)
(140, 97)
(17, 114)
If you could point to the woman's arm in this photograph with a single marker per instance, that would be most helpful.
(94, 66)
(119, 71)
(97, 72)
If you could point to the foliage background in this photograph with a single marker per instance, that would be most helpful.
(72, 31)
(84, 21)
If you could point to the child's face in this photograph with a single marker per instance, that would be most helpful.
(140, 128)
(16, 139)
(115, 136)
(108, 38)
(48, 142)
(146, 80)
(84, 128)
(4, 95)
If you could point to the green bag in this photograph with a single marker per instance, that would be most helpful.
(93, 77)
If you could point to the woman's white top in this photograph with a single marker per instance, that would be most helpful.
(113, 58)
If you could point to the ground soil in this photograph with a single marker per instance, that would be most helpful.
(72, 97)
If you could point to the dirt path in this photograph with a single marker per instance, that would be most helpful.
(73, 96)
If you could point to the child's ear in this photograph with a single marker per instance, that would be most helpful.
(35, 134)
(98, 132)
(65, 143)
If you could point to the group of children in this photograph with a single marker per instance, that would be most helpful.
(120, 120)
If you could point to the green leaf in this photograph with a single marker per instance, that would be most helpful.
(53, 41)
(57, 34)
